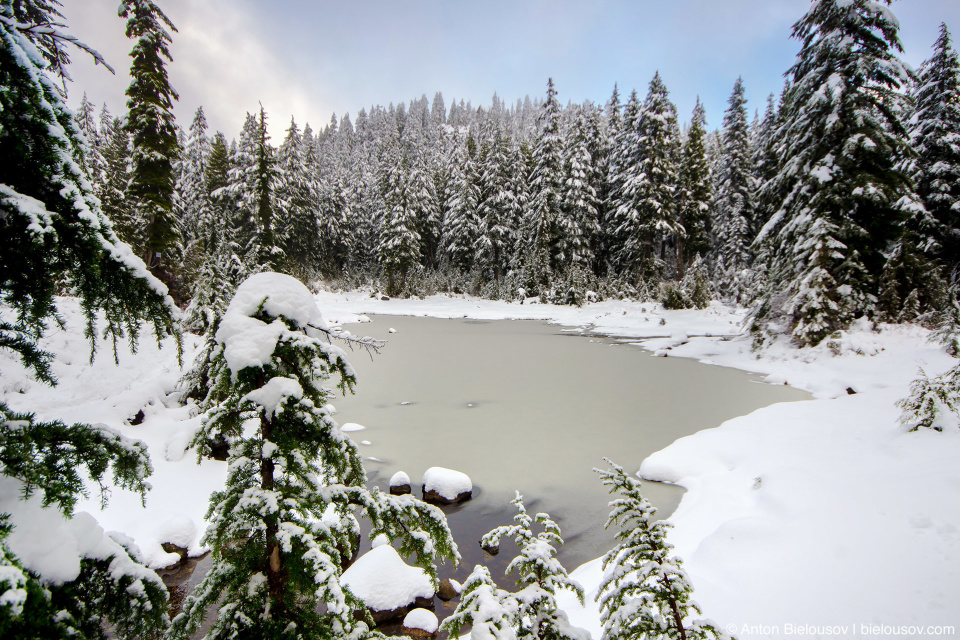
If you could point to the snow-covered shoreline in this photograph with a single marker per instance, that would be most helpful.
(801, 519)
(812, 513)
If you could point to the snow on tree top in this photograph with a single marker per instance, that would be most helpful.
(271, 395)
(423, 619)
(250, 342)
(281, 295)
(384, 581)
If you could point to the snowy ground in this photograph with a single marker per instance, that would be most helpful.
(804, 519)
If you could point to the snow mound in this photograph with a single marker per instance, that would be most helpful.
(447, 483)
(275, 392)
(400, 479)
(281, 295)
(248, 341)
(52, 546)
(384, 581)
(422, 619)
(351, 426)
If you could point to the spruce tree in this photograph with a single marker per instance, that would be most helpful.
(285, 525)
(192, 206)
(736, 188)
(844, 197)
(297, 197)
(461, 220)
(499, 210)
(696, 194)
(531, 612)
(645, 593)
(624, 166)
(647, 215)
(111, 189)
(766, 162)
(546, 184)
(264, 185)
(90, 136)
(399, 246)
(935, 135)
(55, 235)
(153, 134)
(577, 220)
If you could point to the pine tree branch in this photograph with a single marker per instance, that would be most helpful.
(371, 345)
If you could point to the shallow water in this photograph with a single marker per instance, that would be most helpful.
(531, 407)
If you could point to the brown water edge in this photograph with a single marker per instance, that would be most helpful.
(516, 408)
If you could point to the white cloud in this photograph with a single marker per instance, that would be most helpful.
(219, 62)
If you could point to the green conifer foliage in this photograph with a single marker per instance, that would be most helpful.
(56, 235)
(284, 526)
(695, 192)
(935, 135)
(531, 612)
(843, 141)
(153, 134)
(645, 592)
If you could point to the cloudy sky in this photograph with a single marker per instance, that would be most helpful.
(313, 58)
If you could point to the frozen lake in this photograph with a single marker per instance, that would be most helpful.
(527, 406)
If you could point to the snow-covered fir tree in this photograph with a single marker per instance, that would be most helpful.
(532, 611)
(546, 186)
(577, 222)
(460, 220)
(192, 203)
(696, 193)
(90, 137)
(765, 160)
(55, 235)
(399, 245)
(499, 209)
(111, 188)
(645, 593)
(294, 482)
(735, 195)
(153, 135)
(647, 217)
(297, 197)
(935, 136)
(244, 180)
(844, 196)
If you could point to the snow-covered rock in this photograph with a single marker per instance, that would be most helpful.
(446, 486)
(448, 589)
(386, 584)
(400, 484)
(420, 623)
(351, 426)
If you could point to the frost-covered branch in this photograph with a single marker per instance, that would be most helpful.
(369, 344)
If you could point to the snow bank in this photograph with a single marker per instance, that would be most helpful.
(810, 513)
(384, 581)
(778, 495)
(52, 546)
(446, 483)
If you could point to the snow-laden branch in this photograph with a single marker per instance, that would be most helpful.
(371, 345)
